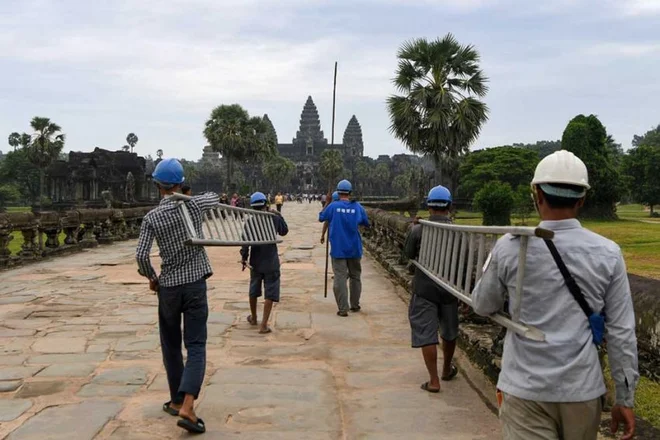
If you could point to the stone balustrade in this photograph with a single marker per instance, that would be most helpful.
(82, 228)
(481, 338)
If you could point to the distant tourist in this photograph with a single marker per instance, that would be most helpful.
(234, 200)
(324, 200)
(264, 268)
(181, 290)
(576, 292)
(224, 199)
(279, 201)
(432, 308)
(344, 218)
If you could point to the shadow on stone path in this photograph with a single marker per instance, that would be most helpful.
(79, 355)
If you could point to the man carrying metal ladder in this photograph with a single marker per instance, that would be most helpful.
(432, 307)
(345, 217)
(181, 290)
(574, 286)
(264, 267)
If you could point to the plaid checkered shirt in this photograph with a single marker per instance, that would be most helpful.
(181, 264)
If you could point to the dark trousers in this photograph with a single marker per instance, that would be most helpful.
(190, 301)
(279, 208)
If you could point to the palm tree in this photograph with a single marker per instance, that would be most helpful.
(363, 175)
(14, 140)
(125, 148)
(45, 147)
(131, 139)
(382, 177)
(238, 137)
(279, 172)
(439, 113)
(331, 166)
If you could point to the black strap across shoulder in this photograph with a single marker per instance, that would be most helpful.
(568, 278)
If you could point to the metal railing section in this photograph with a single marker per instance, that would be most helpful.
(227, 225)
(453, 257)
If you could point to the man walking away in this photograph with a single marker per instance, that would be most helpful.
(279, 201)
(265, 268)
(324, 200)
(575, 287)
(431, 307)
(181, 290)
(344, 217)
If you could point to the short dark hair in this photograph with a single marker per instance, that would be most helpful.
(557, 202)
(185, 189)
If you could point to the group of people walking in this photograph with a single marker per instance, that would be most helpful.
(576, 289)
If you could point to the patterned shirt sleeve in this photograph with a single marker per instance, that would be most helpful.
(207, 201)
(145, 242)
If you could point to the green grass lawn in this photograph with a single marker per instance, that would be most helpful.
(635, 232)
(17, 242)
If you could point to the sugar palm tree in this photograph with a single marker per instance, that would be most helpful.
(238, 137)
(131, 139)
(438, 112)
(14, 140)
(279, 172)
(46, 146)
(331, 166)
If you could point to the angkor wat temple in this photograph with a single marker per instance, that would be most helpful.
(305, 149)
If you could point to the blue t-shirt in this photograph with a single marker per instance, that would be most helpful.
(344, 217)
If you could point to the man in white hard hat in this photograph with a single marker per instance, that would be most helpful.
(575, 286)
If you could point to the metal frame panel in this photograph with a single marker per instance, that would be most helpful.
(229, 226)
(446, 264)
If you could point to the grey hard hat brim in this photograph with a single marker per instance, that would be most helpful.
(562, 192)
(438, 204)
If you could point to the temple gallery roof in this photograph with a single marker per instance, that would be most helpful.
(310, 129)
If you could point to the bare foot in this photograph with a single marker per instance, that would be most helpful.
(188, 414)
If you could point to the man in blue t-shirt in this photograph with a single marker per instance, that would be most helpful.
(344, 218)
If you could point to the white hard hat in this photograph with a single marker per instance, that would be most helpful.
(561, 167)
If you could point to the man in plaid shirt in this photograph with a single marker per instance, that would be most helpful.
(181, 290)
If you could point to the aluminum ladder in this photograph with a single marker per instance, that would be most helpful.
(227, 225)
(451, 255)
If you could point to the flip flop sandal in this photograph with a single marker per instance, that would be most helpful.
(251, 321)
(452, 374)
(190, 426)
(268, 330)
(425, 387)
(168, 409)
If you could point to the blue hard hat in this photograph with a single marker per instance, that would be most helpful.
(168, 172)
(258, 199)
(344, 187)
(335, 196)
(439, 197)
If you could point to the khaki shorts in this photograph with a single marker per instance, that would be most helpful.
(528, 420)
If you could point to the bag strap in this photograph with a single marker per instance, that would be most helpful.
(569, 280)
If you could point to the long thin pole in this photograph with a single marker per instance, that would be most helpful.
(332, 144)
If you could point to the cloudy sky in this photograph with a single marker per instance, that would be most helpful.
(104, 68)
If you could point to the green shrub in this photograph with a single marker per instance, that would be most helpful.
(496, 201)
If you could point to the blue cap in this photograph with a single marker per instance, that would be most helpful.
(344, 187)
(168, 172)
(439, 197)
(335, 196)
(257, 199)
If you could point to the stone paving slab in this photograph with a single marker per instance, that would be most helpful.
(67, 370)
(81, 346)
(293, 320)
(42, 388)
(84, 419)
(12, 409)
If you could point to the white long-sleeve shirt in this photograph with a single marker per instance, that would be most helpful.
(565, 367)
